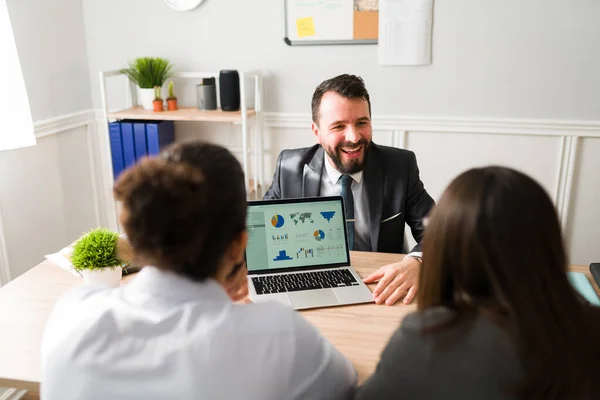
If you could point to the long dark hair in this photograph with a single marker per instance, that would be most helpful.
(493, 246)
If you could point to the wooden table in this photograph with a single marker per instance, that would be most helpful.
(360, 331)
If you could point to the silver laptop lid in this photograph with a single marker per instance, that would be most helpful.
(296, 234)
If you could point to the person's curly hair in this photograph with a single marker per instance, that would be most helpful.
(183, 208)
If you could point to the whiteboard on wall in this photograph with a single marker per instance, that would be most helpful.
(326, 22)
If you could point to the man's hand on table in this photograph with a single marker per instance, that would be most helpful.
(397, 280)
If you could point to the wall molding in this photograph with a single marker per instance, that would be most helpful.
(4, 267)
(53, 126)
(500, 126)
(543, 127)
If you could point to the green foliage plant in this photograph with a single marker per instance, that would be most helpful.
(171, 92)
(96, 249)
(148, 72)
(157, 94)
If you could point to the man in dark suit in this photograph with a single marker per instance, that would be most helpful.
(380, 185)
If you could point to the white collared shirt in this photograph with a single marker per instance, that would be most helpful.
(163, 336)
(332, 186)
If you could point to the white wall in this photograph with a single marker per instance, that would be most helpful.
(46, 194)
(46, 197)
(51, 45)
(491, 58)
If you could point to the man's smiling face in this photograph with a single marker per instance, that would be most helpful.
(344, 131)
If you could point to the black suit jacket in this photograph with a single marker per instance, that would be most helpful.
(395, 193)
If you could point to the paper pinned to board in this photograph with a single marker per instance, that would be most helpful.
(305, 26)
(405, 31)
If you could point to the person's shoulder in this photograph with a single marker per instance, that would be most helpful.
(418, 321)
(388, 151)
(483, 333)
(80, 303)
(392, 156)
(407, 355)
(300, 153)
(276, 320)
(83, 293)
(73, 311)
(414, 324)
(267, 318)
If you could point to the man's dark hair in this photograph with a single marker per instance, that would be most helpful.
(183, 209)
(348, 86)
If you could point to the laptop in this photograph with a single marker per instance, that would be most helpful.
(297, 254)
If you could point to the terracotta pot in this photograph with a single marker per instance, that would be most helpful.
(158, 105)
(172, 104)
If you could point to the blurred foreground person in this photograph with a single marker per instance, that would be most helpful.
(174, 332)
(497, 317)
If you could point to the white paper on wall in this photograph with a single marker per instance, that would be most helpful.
(405, 30)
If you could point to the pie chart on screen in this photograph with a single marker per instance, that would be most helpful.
(319, 235)
(277, 221)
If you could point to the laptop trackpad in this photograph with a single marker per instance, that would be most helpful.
(313, 298)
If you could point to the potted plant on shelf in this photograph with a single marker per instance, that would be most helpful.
(148, 73)
(95, 256)
(171, 100)
(158, 101)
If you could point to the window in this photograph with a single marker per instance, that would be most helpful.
(16, 126)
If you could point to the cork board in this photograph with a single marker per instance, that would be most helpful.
(331, 22)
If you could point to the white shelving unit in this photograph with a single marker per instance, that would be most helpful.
(246, 117)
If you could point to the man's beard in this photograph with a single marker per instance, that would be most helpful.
(352, 166)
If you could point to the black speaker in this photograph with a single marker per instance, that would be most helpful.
(229, 84)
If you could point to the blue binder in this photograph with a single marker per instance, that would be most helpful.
(128, 143)
(159, 134)
(139, 139)
(116, 148)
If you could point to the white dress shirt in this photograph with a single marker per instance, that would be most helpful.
(332, 186)
(163, 336)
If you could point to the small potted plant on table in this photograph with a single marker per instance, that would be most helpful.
(171, 100)
(158, 101)
(95, 256)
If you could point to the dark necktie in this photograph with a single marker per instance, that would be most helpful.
(346, 193)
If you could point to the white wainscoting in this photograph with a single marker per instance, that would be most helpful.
(564, 156)
(47, 192)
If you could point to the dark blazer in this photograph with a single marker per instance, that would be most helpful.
(474, 360)
(392, 186)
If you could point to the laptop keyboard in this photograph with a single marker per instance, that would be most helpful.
(294, 282)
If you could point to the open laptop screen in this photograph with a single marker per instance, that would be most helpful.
(295, 234)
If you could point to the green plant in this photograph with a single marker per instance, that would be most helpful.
(157, 94)
(96, 249)
(148, 72)
(171, 92)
